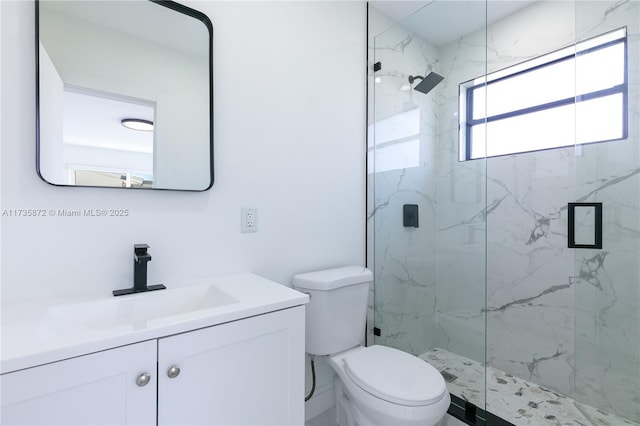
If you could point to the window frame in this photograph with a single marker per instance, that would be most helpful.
(466, 91)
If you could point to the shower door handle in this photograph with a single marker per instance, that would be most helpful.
(587, 216)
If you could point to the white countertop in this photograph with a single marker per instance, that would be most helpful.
(30, 336)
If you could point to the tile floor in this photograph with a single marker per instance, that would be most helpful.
(514, 399)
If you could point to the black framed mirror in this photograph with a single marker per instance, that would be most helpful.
(124, 94)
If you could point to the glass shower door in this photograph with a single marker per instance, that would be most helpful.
(607, 280)
(530, 179)
(473, 182)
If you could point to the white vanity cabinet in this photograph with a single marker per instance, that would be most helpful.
(95, 389)
(244, 372)
(248, 372)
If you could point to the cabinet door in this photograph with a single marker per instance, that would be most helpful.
(246, 372)
(96, 389)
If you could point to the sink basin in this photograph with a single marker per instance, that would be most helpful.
(138, 309)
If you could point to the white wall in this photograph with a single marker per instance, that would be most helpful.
(289, 99)
(289, 136)
(289, 141)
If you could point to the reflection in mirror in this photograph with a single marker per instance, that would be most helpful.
(97, 146)
(102, 63)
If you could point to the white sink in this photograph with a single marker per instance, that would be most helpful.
(137, 309)
(49, 330)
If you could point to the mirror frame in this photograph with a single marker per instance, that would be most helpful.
(177, 7)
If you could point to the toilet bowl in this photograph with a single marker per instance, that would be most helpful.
(379, 385)
(374, 385)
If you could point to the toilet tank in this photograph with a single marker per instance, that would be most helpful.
(337, 309)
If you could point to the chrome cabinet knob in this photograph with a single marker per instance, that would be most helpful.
(143, 379)
(173, 371)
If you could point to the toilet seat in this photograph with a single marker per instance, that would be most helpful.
(395, 376)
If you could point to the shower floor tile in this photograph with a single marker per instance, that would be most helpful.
(514, 399)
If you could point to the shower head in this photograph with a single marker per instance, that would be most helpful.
(428, 83)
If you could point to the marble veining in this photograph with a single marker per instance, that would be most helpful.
(405, 289)
(567, 319)
(488, 274)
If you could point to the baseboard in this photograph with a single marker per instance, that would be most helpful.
(321, 401)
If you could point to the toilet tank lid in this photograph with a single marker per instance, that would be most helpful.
(330, 279)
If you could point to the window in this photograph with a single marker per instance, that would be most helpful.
(574, 95)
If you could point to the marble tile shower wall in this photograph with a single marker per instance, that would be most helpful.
(607, 334)
(558, 317)
(563, 318)
(526, 255)
(405, 130)
(460, 232)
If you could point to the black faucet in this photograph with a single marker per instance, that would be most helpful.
(140, 259)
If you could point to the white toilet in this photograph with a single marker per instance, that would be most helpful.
(375, 385)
